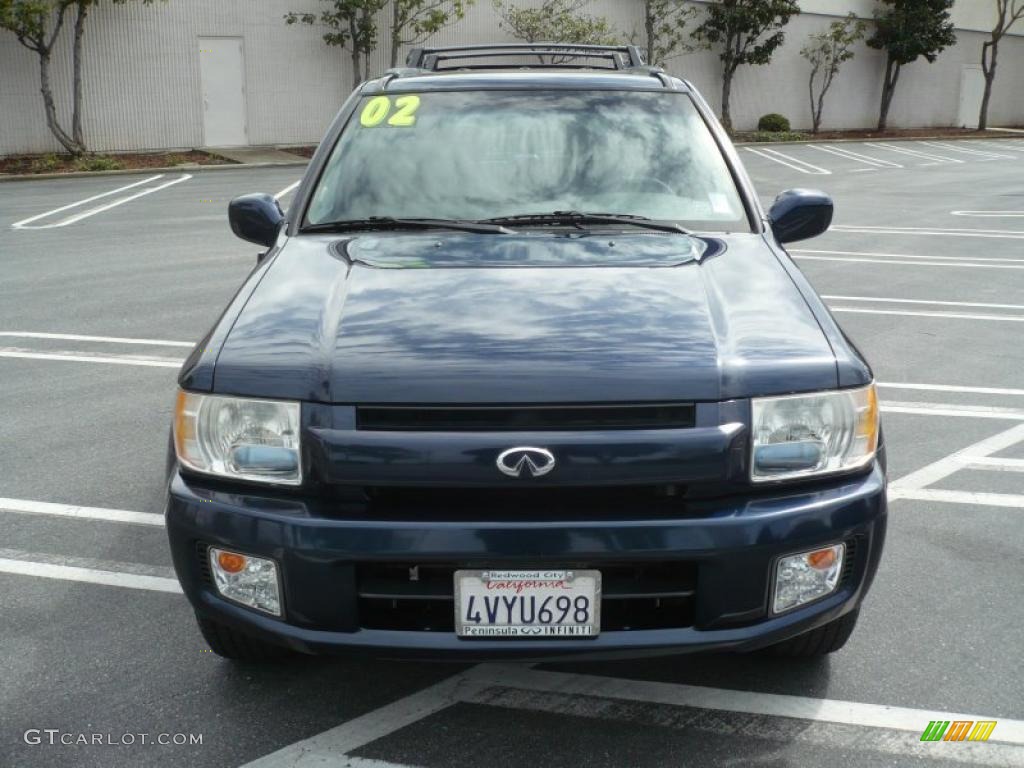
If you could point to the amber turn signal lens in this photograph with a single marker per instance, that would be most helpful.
(822, 560)
(230, 562)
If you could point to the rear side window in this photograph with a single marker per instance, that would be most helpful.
(485, 154)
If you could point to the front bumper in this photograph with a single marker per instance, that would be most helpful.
(730, 544)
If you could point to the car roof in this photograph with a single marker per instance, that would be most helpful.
(524, 79)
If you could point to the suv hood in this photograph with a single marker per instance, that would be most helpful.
(319, 327)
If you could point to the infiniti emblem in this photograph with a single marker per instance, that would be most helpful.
(537, 460)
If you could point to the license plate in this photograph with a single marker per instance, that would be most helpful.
(527, 603)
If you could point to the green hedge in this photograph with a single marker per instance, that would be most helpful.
(774, 123)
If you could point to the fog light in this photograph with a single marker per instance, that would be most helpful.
(248, 580)
(805, 577)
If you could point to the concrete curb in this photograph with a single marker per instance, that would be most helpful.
(184, 168)
(994, 135)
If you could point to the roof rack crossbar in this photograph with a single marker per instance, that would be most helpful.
(507, 68)
(558, 59)
(620, 56)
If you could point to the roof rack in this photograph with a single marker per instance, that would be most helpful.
(545, 55)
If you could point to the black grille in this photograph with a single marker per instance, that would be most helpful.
(570, 503)
(527, 418)
(849, 560)
(203, 559)
(420, 598)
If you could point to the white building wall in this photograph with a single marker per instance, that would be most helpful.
(142, 87)
(141, 76)
(927, 95)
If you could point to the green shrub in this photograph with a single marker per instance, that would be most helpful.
(97, 163)
(773, 122)
(768, 136)
(45, 163)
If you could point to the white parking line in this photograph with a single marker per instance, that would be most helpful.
(953, 409)
(877, 299)
(947, 465)
(23, 224)
(28, 506)
(1006, 234)
(1011, 145)
(877, 254)
(914, 153)
(73, 357)
(794, 163)
(914, 485)
(489, 684)
(1009, 500)
(897, 262)
(952, 388)
(749, 702)
(851, 155)
(287, 189)
(985, 155)
(98, 339)
(330, 748)
(947, 315)
(89, 575)
(826, 735)
(995, 463)
(990, 214)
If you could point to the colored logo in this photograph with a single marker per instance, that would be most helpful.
(958, 730)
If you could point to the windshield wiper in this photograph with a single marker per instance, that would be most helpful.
(379, 223)
(578, 218)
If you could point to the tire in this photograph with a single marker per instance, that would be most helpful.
(232, 644)
(818, 642)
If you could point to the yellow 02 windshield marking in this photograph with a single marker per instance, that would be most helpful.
(405, 117)
(375, 111)
(378, 108)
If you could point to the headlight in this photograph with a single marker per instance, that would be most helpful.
(238, 438)
(806, 435)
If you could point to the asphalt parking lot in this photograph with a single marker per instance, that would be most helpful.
(105, 284)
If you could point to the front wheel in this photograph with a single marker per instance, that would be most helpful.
(232, 644)
(825, 639)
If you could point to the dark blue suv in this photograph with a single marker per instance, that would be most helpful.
(525, 372)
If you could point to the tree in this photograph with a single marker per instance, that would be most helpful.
(413, 21)
(828, 51)
(37, 24)
(747, 32)
(350, 24)
(665, 23)
(906, 31)
(1008, 13)
(555, 21)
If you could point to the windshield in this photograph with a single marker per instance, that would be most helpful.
(489, 154)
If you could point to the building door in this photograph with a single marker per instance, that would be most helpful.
(222, 70)
(972, 89)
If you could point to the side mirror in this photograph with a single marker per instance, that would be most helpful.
(256, 218)
(799, 214)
